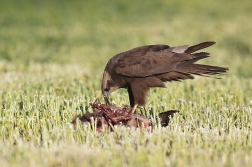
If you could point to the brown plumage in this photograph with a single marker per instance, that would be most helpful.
(144, 67)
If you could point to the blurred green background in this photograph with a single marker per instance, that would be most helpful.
(87, 33)
(52, 57)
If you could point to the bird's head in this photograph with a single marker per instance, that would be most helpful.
(108, 86)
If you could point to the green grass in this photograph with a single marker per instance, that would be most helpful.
(52, 56)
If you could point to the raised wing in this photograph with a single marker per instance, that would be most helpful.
(157, 59)
(149, 60)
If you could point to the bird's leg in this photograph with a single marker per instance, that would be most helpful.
(134, 108)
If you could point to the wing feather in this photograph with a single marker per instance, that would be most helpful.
(157, 59)
(144, 62)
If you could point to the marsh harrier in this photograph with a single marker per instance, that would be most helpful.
(145, 67)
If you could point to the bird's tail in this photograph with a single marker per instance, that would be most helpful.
(188, 67)
(203, 70)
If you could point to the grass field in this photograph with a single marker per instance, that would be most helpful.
(52, 56)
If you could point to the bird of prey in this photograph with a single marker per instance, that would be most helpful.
(149, 66)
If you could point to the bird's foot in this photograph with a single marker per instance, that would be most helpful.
(134, 108)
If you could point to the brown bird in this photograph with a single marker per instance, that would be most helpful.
(144, 67)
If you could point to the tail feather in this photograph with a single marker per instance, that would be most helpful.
(203, 70)
(197, 47)
(188, 66)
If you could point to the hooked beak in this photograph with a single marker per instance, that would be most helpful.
(106, 97)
